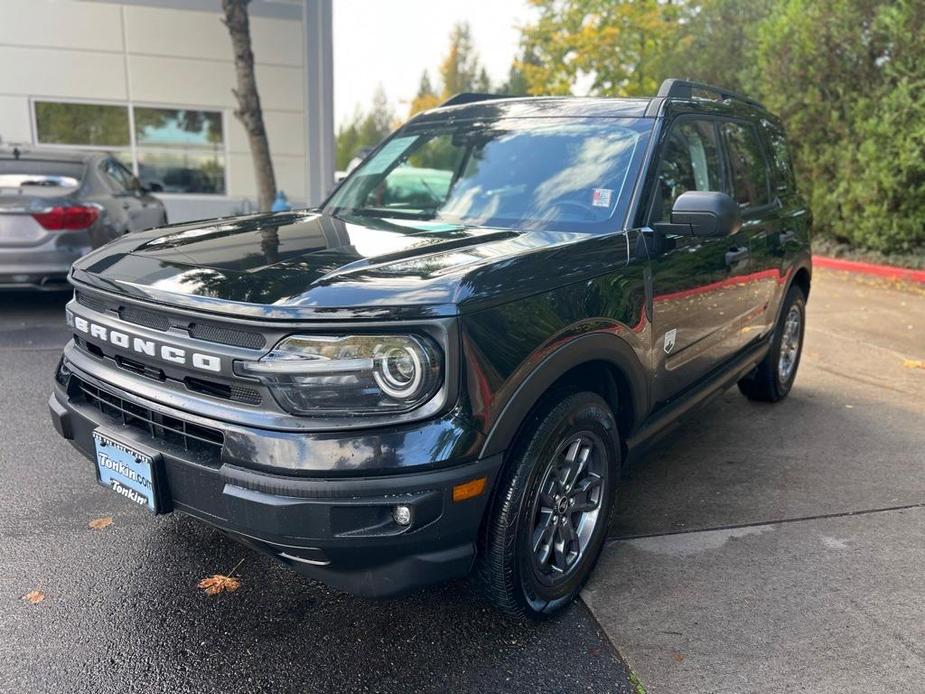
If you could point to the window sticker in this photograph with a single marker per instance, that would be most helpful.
(388, 154)
(600, 197)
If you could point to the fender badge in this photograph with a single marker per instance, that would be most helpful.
(669, 340)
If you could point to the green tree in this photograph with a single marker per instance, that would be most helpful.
(618, 45)
(847, 77)
(460, 71)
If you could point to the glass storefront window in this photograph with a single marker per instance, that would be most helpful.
(181, 171)
(93, 125)
(182, 151)
(176, 150)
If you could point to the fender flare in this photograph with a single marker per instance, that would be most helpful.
(586, 348)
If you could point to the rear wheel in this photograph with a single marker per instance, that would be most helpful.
(773, 378)
(550, 514)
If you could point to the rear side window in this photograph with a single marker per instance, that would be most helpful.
(780, 158)
(690, 161)
(747, 167)
(118, 176)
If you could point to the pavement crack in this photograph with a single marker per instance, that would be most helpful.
(780, 521)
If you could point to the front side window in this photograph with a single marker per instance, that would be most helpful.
(690, 161)
(748, 169)
(180, 151)
(563, 174)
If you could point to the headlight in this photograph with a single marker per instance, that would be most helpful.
(349, 375)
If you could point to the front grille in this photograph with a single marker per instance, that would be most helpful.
(226, 336)
(205, 443)
(162, 322)
(91, 302)
(149, 319)
(236, 393)
(248, 396)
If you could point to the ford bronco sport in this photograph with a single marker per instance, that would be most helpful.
(445, 367)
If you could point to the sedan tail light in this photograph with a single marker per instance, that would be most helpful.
(67, 217)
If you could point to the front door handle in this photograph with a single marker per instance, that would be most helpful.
(786, 237)
(736, 255)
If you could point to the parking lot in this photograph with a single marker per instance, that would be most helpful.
(757, 548)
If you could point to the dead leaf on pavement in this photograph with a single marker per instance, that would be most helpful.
(100, 523)
(914, 363)
(33, 597)
(219, 583)
(678, 656)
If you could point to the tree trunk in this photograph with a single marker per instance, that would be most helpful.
(249, 111)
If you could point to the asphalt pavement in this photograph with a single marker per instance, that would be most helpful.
(757, 548)
(122, 612)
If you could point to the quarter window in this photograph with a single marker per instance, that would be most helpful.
(690, 161)
(747, 166)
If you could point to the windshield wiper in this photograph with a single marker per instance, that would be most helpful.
(379, 212)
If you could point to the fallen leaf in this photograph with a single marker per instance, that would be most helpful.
(914, 363)
(33, 597)
(678, 656)
(218, 583)
(100, 523)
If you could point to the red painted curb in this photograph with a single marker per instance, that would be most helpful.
(888, 271)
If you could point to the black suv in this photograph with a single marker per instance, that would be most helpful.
(445, 367)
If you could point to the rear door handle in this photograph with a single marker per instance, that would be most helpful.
(735, 255)
(787, 236)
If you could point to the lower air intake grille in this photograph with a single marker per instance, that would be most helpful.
(202, 442)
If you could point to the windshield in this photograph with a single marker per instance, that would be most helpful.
(562, 174)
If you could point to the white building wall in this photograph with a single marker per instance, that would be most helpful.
(154, 54)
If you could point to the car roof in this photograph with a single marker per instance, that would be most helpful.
(682, 95)
(540, 106)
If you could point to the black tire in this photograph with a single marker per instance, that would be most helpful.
(533, 490)
(770, 382)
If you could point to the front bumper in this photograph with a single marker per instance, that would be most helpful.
(338, 530)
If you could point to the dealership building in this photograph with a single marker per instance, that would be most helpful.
(151, 81)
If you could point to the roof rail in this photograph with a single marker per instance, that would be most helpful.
(684, 89)
(471, 98)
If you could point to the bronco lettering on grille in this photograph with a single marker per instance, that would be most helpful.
(170, 353)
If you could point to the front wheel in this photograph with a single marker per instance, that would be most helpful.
(550, 514)
(774, 376)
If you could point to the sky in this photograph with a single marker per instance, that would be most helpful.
(391, 42)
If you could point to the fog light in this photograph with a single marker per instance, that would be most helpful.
(402, 515)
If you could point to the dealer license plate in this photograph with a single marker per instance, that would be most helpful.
(125, 471)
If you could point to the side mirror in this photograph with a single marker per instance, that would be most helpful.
(707, 213)
(153, 188)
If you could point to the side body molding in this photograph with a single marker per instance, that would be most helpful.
(590, 347)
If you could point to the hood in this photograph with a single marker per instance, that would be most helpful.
(306, 264)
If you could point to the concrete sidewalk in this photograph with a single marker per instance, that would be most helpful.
(768, 548)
